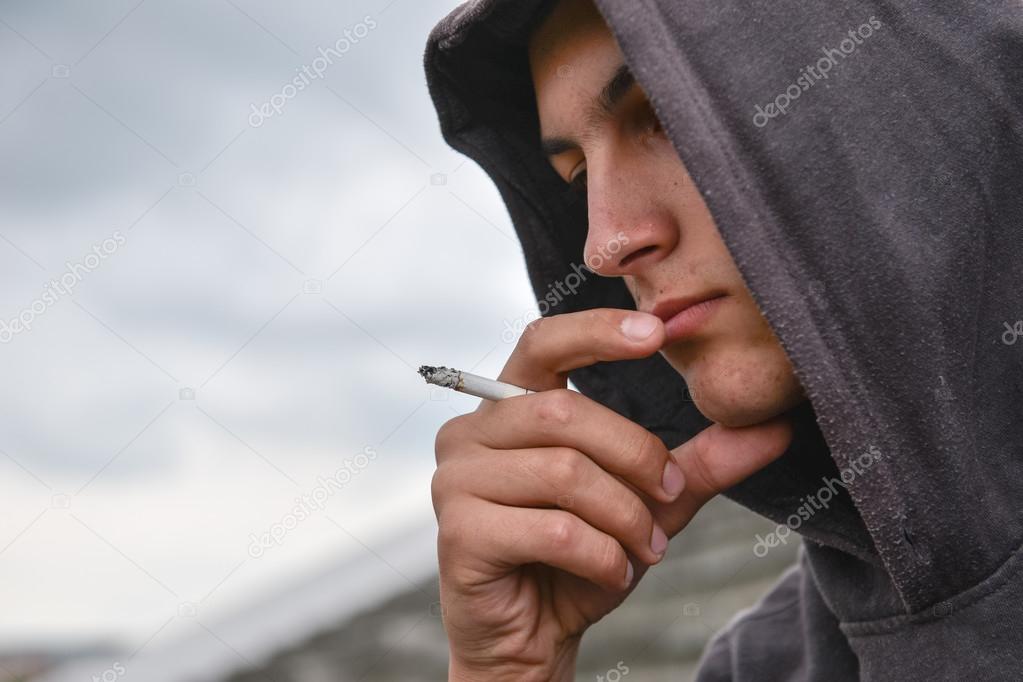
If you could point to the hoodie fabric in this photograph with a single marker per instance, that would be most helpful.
(863, 162)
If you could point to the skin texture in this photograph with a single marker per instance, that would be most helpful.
(550, 506)
(637, 186)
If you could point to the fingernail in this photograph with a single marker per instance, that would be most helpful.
(629, 572)
(658, 541)
(639, 326)
(673, 481)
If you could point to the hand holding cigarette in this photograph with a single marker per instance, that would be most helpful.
(551, 506)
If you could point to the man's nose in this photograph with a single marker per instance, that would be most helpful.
(631, 225)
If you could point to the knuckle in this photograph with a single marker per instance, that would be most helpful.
(529, 341)
(439, 489)
(450, 436)
(534, 325)
(652, 447)
(594, 317)
(435, 488)
(449, 533)
(555, 408)
(564, 468)
(646, 452)
(561, 530)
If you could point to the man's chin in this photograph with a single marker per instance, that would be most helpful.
(735, 396)
(736, 418)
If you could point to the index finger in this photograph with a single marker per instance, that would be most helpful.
(552, 346)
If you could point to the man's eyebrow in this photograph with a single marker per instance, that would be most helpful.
(615, 89)
(610, 95)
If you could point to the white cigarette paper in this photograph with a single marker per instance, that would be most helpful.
(464, 382)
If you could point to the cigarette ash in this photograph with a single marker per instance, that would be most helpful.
(440, 376)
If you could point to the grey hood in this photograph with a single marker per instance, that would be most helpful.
(876, 214)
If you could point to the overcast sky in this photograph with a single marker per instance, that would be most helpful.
(246, 299)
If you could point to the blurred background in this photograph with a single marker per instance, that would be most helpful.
(227, 231)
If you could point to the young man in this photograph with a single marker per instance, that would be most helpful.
(800, 306)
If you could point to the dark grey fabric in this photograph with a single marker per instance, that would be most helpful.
(788, 635)
(878, 224)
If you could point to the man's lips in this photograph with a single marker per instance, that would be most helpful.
(683, 316)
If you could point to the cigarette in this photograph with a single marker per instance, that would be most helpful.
(481, 387)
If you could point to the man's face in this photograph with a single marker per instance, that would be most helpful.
(602, 136)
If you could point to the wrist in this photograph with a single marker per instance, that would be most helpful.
(562, 669)
(506, 674)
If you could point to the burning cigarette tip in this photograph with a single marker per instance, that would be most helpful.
(440, 376)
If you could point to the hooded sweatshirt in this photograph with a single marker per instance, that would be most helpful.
(863, 162)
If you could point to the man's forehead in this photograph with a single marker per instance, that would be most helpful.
(570, 26)
(572, 63)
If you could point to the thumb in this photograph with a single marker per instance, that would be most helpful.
(718, 458)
